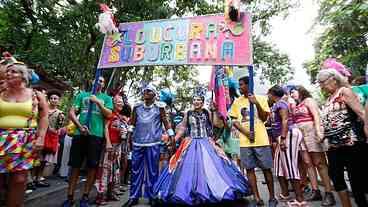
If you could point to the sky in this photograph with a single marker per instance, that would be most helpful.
(291, 35)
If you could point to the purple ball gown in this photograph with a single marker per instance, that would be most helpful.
(199, 172)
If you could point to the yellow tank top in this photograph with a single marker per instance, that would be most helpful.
(16, 115)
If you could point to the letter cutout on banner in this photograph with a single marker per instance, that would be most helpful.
(152, 52)
(139, 53)
(166, 51)
(167, 33)
(196, 30)
(181, 33)
(156, 35)
(195, 50)
(228, 50)
(126, 53)
(114, 54)
(211, 29)
(125, 36)
(139, 37)
(180, 51)
(211, 51)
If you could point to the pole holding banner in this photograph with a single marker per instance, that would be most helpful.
(251, 106)
(94, 90)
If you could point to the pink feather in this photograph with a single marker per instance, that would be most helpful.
(339, 67)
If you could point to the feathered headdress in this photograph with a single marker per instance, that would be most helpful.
(200, 91)
(332, 63)
(167, 96)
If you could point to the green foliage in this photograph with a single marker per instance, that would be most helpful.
(60, 37)
(273, 65)
(345, 35)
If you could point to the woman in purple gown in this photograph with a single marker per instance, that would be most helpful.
(199, 172)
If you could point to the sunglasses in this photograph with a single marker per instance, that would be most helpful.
(324, 81)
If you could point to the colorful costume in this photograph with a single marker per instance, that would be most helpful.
(146, 149)
(17, 132)
(200, 172)
(109, 171)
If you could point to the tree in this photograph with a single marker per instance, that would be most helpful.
(345, 35)
(60, 35)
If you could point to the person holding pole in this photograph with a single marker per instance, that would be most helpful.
(146, 128)
(257, 152)
(88, 140)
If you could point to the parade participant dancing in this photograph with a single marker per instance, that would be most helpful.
(200, 172)
(23, 124)
(146, 125)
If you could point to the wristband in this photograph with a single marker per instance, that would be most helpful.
(283, 138)
(170, 132)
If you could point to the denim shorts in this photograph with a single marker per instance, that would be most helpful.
(252, 157)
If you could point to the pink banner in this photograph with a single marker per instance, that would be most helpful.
(202, 40)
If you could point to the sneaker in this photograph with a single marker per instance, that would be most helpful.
(68, 203)
(84, 202)
(328, 199)
(315, 196)
(272, 202)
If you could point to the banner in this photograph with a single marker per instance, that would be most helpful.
(202, 40)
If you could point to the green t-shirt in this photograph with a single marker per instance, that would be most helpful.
(362, 92)
(81, 104)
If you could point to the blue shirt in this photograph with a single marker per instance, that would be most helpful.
(148, 127)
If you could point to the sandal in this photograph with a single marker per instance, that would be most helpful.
(283, 198)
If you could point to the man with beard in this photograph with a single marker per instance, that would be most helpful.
(89, 138)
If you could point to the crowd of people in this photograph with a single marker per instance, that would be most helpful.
(195, 159)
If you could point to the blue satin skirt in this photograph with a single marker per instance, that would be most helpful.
(198, 173)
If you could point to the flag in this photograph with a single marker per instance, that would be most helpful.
(219, 85)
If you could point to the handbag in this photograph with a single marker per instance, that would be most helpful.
(51, 142)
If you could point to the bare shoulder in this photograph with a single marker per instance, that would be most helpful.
(346, 91)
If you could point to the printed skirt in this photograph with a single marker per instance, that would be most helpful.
(16, 150)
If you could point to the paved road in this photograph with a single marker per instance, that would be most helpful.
(56, 199)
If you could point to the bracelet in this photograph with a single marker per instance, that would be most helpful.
(170, 132)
